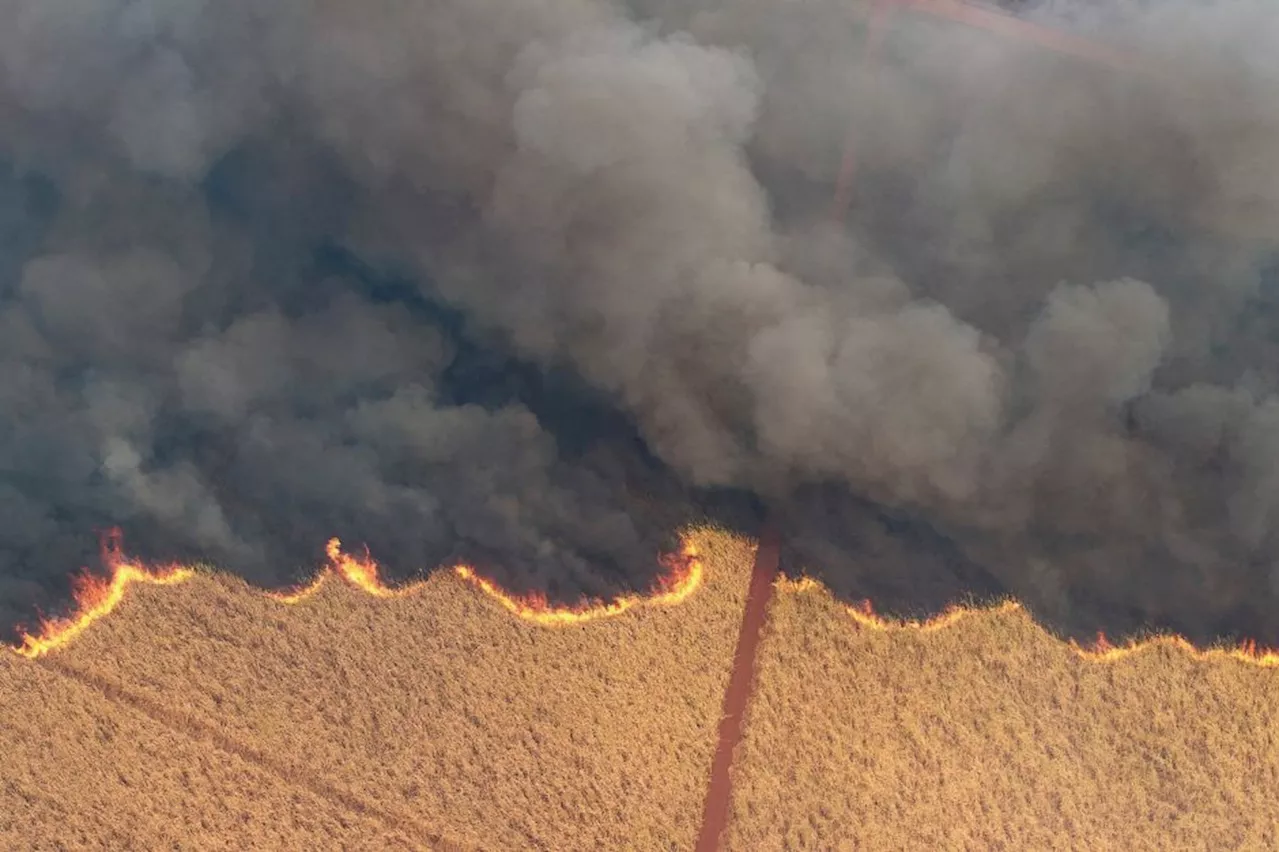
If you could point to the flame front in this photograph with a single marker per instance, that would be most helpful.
(1246, 652)
(684, 578)
(94, 598)
(360, 572)
(1101, 651)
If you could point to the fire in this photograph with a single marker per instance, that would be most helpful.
(682, 580)
(359, 572)
(1101, 651)
(1246, 652)
(95, 598)
(869, 618)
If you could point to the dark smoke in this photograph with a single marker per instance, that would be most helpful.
(531, 285)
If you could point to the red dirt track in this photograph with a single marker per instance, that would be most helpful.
(715, 814)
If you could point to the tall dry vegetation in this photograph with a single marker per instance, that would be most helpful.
(207, 716)
(439, 719)
(991, 734)
(86, 771)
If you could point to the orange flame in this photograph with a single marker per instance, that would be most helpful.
(1101, 651)
(684, 578)
(95, 597)
(358, 572)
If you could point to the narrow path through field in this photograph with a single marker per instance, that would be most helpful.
(198, 730)
(715, 814)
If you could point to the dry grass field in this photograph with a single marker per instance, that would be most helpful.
(207, 715)
(991, 734)
(86, 771)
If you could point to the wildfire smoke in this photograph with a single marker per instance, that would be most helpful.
(516, 290)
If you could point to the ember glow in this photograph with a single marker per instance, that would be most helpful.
(1101, 651)
(95, 598)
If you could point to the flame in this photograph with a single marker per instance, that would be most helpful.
(1101, 651)
(96, 597)
(683, 579)
(360, 572)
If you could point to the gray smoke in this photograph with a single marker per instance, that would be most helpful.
(1038, 356)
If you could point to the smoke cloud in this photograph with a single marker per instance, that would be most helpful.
(532, 285)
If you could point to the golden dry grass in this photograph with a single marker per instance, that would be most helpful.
(235, 721)
(991, 734)
(209, 716)
(82, 771)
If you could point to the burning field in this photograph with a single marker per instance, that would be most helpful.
(482, 304)
(983, 731)
(532, 291)
(205, 713)
(182, 707)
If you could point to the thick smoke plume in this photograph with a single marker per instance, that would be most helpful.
(530, 284)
